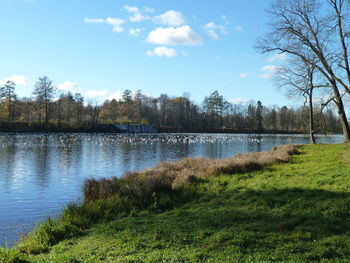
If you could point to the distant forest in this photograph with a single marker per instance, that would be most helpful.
(69, 111)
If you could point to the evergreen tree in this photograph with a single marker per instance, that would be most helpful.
(8, 98)
(259, 116)
(251, 111)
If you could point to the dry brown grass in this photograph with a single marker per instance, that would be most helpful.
(169, 176)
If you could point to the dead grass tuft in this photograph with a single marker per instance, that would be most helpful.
(169, 176)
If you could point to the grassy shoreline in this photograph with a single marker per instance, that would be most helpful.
(279, 211)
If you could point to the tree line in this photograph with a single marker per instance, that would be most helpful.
(168, 113)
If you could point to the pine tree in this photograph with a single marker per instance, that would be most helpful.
(259, 116)
(8, 98)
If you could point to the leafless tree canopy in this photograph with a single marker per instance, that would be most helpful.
(317, 33)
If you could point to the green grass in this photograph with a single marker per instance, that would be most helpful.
(292, 212)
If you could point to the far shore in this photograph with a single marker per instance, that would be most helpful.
(107, 128)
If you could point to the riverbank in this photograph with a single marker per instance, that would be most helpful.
(38, 128)
(109, 128)
(291, 212)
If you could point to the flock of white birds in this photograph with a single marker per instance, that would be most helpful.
(71, 140)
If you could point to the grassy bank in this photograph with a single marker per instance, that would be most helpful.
(255, 208)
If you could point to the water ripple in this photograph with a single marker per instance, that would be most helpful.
(39, 173)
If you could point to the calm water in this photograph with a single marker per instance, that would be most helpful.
(41, 173)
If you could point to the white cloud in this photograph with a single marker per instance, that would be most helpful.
(116, 23)
(116, 95)
(170, 18)
(137, 16)
(148, 9)
(212, 34)
(212, 30)
(239, 101)
(94, 20)
(20, 79)
(271, 71)
(277, 57)
(96, 93)
(2, 82)
(238, 29)
(210, 25)
(102, 95)
(162, 52)
(132, 9)
(135, 31)
(17, 79)
(69, 86)
(245, 75)
(174, 36)
(226, 20)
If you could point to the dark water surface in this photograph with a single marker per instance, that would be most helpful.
(40, 173)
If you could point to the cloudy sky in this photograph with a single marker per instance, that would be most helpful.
(102, 47)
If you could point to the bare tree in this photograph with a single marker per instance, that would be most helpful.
(299, 79)
(303, 27)
(341, 18)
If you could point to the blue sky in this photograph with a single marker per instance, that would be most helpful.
(102, 47)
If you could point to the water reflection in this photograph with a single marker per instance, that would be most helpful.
(40, 173)
(7, 158)
(42, 167)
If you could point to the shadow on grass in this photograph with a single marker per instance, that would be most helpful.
(283, 224)
(278, 225)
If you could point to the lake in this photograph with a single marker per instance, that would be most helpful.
(40, 173)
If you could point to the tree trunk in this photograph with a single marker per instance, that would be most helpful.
(59, 114)
(342, 114)
(342, 41)
(311, 119)
(46, 114)
(345, 125)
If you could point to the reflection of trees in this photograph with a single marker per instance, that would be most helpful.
(177, 150)
(42, 165)
(7, 158)
(254, 143)
(136, 155)
(99, 156)
(126, 155)
(214, 150)
(70, 148)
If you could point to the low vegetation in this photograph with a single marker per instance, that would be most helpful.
(268, 207)
(168, 177)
